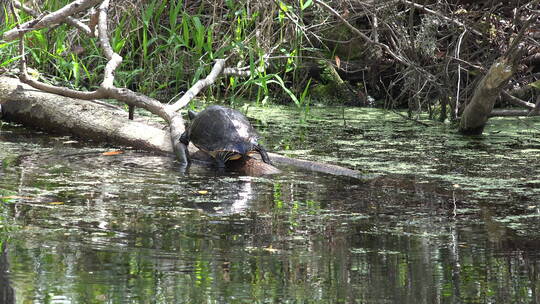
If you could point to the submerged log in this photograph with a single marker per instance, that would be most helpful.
(102, 122)
(513, 113)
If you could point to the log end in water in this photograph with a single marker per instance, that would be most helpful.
(252, 167)
(246, 166)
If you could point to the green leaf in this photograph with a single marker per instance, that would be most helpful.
(304, 5)
(197, 74)
(173, 14)
(280, 81)
(535, 84)
(185, 29)
(283, 6)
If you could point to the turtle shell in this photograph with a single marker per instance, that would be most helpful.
(223, 133)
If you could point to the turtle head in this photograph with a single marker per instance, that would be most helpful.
(192, 114)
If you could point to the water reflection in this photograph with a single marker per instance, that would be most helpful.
(90, 228)
(241, 203)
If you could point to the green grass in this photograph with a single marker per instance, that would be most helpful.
(169, 45)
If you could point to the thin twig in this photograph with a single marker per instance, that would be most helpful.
(295, 21)
(515, 42)
(411, 119)
(458, 48)
(364, 36)
(518, 101)
(440, 15)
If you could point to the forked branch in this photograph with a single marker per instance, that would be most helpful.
(69, 20)
(107, 89)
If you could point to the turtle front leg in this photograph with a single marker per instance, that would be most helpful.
(263, 154)
(220, 159)
(184, 154)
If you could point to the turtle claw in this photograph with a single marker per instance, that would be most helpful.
(184, 138)
(220, 164)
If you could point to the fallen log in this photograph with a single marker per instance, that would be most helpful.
(102, 122)
(513, 113)
(87, 119)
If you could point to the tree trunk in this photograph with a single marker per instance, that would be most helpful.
(477, 112)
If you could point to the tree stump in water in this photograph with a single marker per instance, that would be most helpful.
(477, 112)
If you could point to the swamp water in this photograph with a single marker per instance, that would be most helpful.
(439, 218)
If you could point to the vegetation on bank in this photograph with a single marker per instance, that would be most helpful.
(426, 56)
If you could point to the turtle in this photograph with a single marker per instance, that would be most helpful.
(223, 133)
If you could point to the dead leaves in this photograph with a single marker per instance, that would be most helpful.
(110, 153)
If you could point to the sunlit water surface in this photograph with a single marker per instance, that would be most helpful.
(438, 218)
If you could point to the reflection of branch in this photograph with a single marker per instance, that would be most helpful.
(50, 19)
(7, 294)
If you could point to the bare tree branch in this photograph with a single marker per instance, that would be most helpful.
(114, 59)
(69, 20)
(50, 19)
(440, 15)
(385, 47)
(458, 48)
(517, 101)
(199, 86)
(239, 71)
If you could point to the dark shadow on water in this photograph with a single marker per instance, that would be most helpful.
(7, 294)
